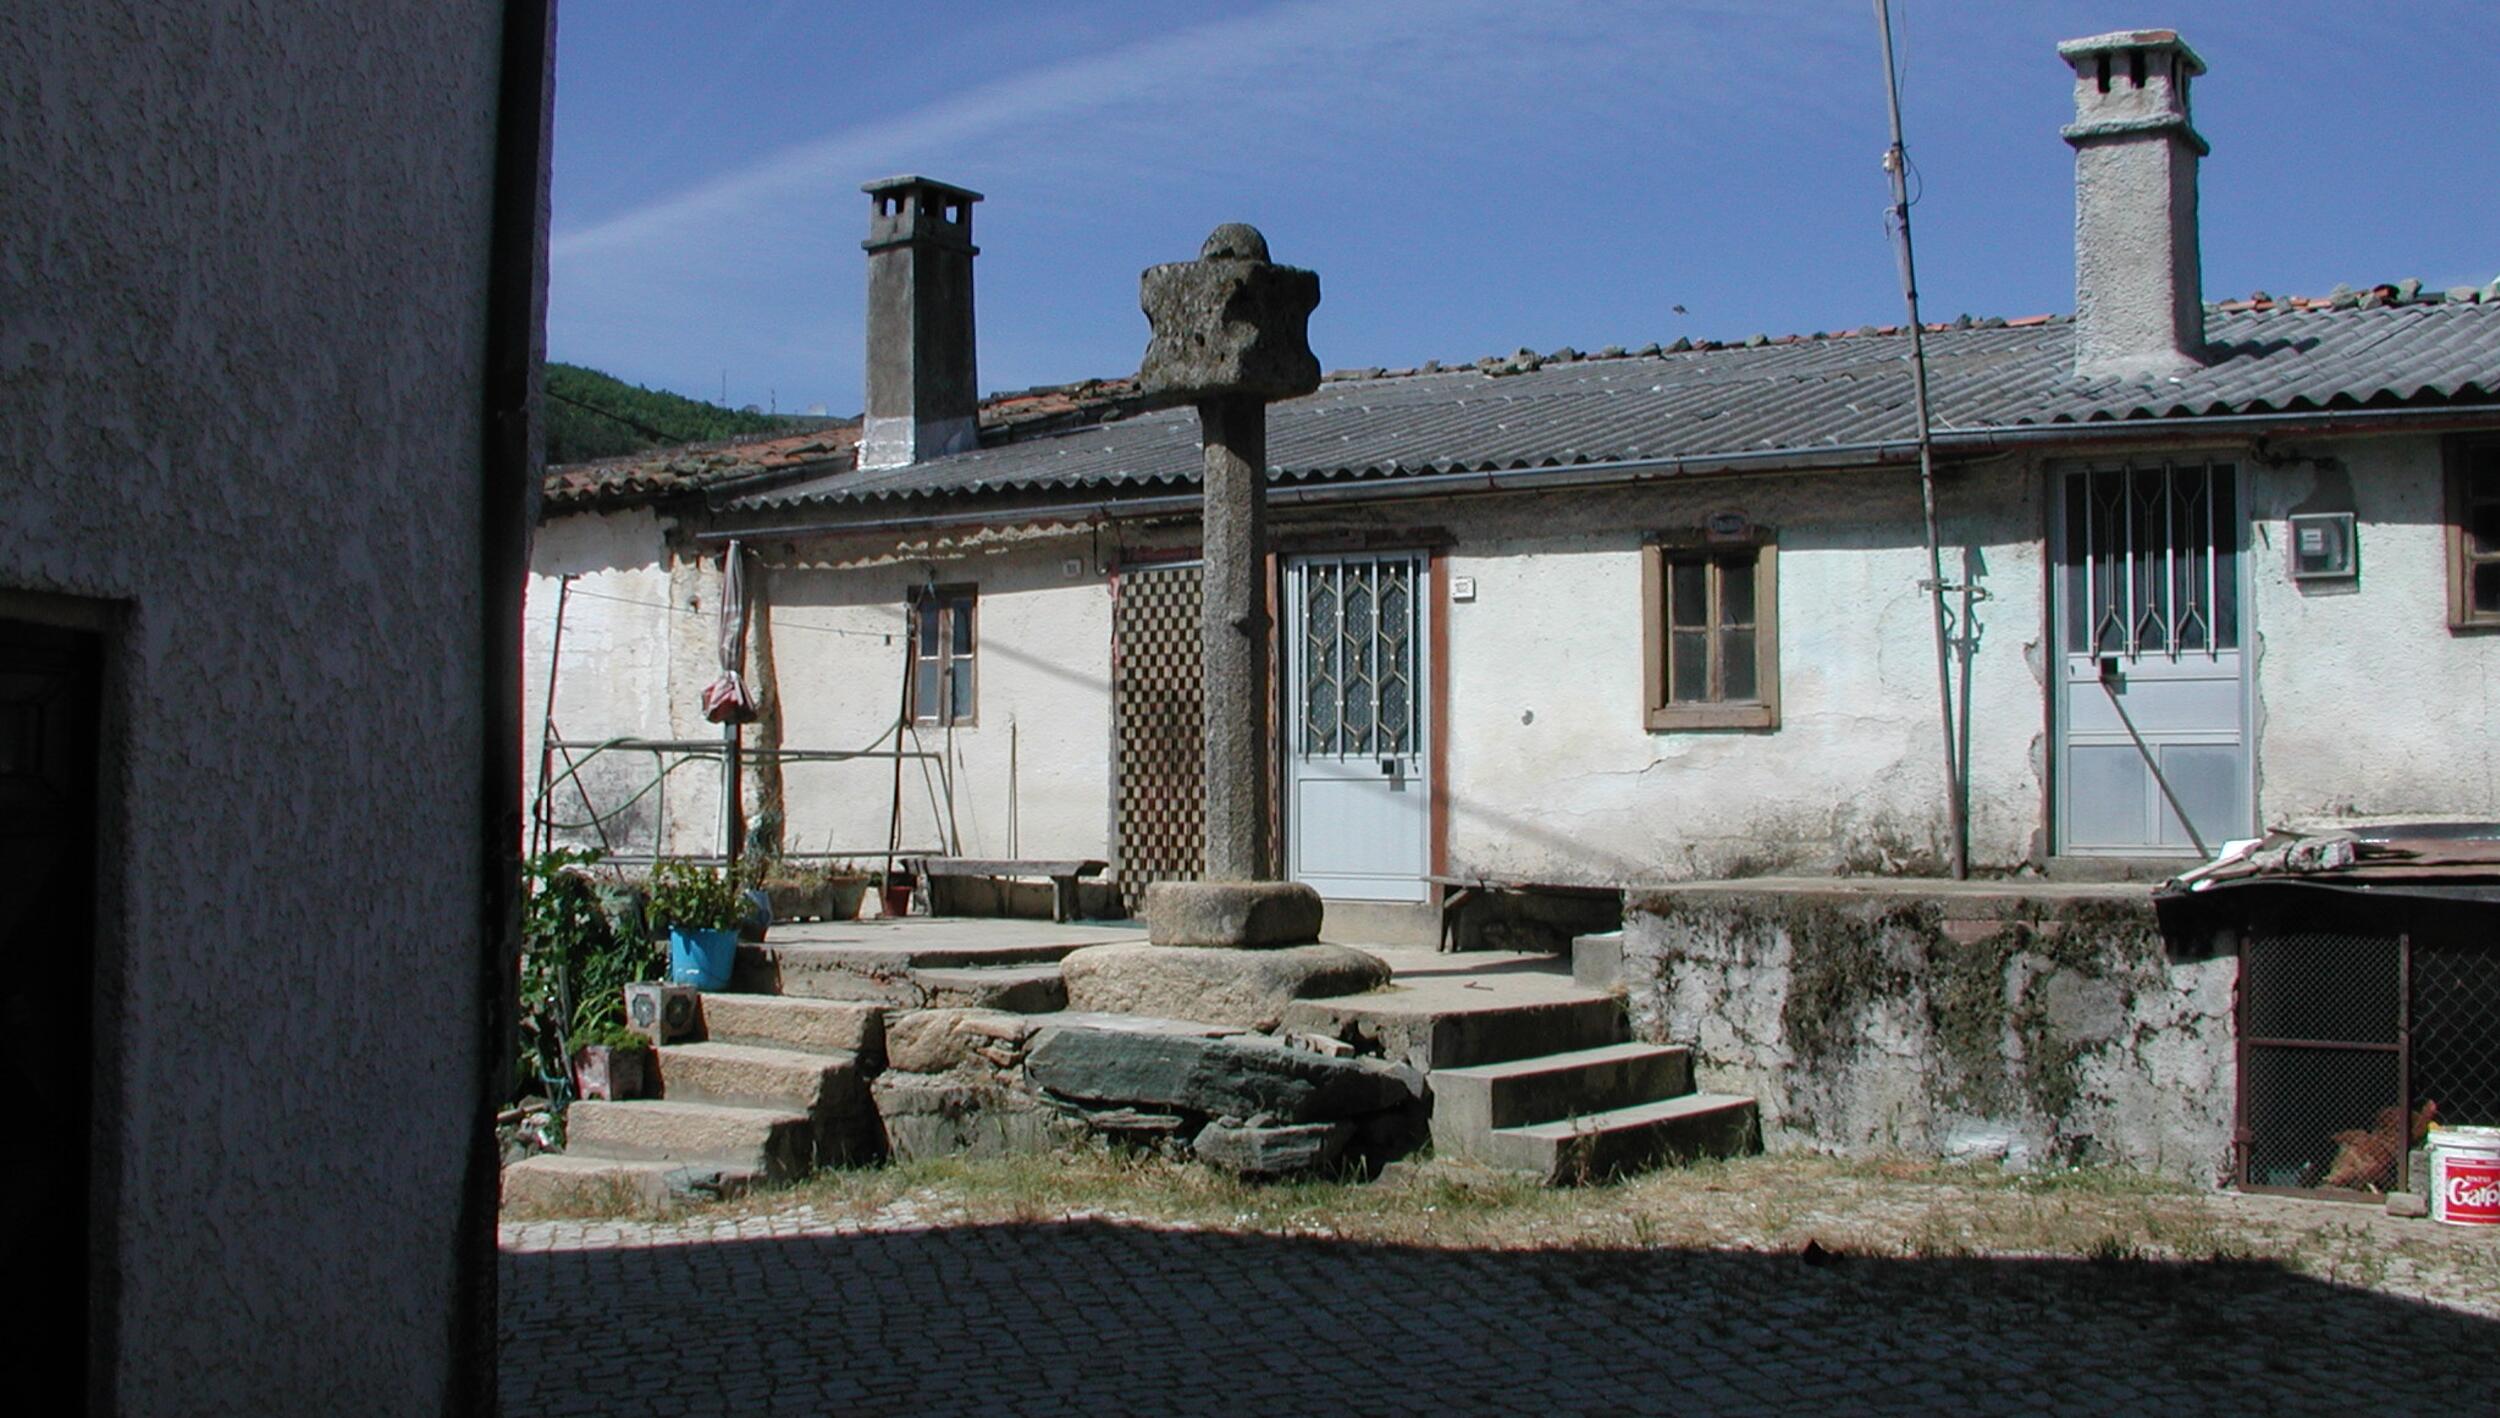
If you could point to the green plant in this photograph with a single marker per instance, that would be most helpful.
(574, 964)
(688, 897)
(611, 1036)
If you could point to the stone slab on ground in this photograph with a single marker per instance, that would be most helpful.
(1469, 1103)
(779, 1143)
(1449, 1011)
(809, 1025)
(1246, 915)
(1284, 1150)
(564, 1182)
(827, 1085)
(1241, 1076)
(937, 1040)
(947, 1115)
(1602, 1145)
(1249, 989)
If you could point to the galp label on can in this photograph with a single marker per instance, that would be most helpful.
(2471, 1191)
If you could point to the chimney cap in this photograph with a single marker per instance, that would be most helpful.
(909, 179)
(2117, 41)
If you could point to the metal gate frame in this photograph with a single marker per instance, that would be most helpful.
(2243, 1139)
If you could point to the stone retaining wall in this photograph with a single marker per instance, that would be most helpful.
(2038, 1025)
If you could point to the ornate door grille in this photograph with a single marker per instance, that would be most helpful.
(1359, 632)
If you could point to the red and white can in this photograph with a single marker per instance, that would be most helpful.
(2465, 1176)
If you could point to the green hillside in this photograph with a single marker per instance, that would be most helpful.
(591, 415)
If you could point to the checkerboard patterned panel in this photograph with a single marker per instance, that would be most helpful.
(1156, 684)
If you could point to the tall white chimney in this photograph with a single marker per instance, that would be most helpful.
(2139, 292)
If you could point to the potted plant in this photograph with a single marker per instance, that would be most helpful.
(612, 1063)
(700, 908)
(575, 962)
(811, 891)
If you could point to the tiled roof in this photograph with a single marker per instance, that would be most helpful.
(762, 462)
(2389, 347)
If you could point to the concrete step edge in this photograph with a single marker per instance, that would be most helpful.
(1638, 1115)
(1567, 1061)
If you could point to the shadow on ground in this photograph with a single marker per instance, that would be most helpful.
(1096, 1318)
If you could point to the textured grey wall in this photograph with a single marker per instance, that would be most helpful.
(243, 260)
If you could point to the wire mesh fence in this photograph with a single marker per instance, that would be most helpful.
(2352, 1045)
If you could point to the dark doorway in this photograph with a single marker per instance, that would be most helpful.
(49, 701)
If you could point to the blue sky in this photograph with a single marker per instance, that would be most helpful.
(1467, 176)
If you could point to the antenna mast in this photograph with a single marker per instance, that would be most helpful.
(1896, 162)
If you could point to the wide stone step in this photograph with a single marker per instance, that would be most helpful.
(842, 971)
(885, 977)
(779, 1144)
(1035, 989)
(826, 1085)
(606, 1185)
(1469, 1103)
(807, 1025)
(1447, 1024)
(1596, 1146)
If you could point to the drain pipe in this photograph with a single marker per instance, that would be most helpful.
(1896, 162)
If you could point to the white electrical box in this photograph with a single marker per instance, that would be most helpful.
(1462, 588)
(2324, 546)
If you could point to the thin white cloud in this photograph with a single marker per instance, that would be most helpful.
(1295, 90)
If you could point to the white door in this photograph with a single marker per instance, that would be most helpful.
(2152, 754)
(1357, 816)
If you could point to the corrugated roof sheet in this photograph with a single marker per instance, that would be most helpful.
(1765, 396)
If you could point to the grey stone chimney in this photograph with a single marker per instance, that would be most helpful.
(923, 387)
(2139, 292)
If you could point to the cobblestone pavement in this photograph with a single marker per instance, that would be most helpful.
(795, 1313)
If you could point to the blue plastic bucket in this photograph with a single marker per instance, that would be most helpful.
(701, 958)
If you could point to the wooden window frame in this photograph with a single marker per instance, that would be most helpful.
(2466, 457)
(948, 601)
(1761, 712)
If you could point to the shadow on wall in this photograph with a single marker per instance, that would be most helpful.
(1091, 1317)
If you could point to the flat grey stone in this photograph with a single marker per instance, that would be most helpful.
(1247, 989)
(1240, 914)
(1242, 1077)
(1285, 1150)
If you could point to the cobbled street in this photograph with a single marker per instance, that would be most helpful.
(793, 1312)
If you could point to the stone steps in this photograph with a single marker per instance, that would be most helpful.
(1470, 1103)
(778, 1144)
(748, 1075)
(1594, 1146)
(1441, 1024)
(564, 1181)
(1023, 979)
(808, 1026)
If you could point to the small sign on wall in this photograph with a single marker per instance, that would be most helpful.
(1462, 588)
(2324, 546)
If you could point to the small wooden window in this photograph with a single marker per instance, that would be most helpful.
(1710, 632)
(2474, 534)
(942, 640)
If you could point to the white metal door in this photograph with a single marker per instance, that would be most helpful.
(2152, 695)
(1357, 817)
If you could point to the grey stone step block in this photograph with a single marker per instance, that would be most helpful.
(1442, 1028)
(570, 1182)
(779, 1144)
(870, 972)
(1469, 1103)
(1019, 989)
(825, 1085)
(1596, 1146)
(814, 1026)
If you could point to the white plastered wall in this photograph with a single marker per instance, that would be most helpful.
(1553, 776)
(2368, 705)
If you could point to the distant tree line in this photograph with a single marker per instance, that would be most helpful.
(592, 415)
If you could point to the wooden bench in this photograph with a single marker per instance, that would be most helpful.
(1469, 907)
(1064, 875)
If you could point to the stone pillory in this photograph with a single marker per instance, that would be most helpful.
(1229, 324)
(1230, 335)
